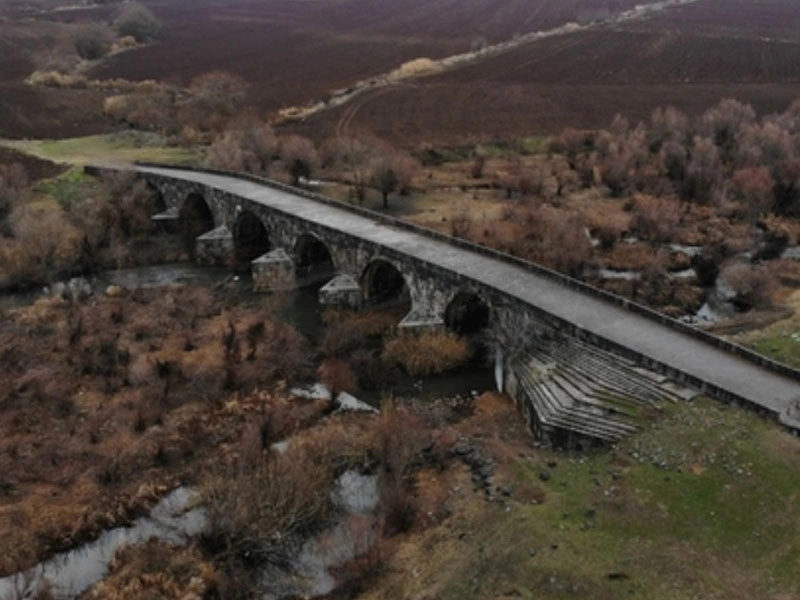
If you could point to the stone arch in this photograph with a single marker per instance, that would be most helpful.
(195, 219)
(383, 283)
(467, 313)
(250, 239)
(313, 259)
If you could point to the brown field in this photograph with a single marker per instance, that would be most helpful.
(688, 58)
(292, 52)
(39, 112)
(295, 52)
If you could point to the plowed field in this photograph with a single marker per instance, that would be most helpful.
(689, 57)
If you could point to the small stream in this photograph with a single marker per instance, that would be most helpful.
(178, 517)
(174, 519)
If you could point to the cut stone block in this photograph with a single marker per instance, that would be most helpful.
(420, 319)
(214, 248)
(274, 271)
(166, 221)
(342, 291)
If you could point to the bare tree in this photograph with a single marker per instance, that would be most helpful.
(753, 285)
(478, 162)
(352, 155)
(704, 170)
(724, 122)
(299, 157)
(248, 145)
(138, 22)
(216, 97)
(391, 171)
(753, 187)
(667, 124)
(92, 41)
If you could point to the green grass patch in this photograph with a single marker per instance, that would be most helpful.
(704, 503)
(118, 148)
(783, 347)
(69, 188)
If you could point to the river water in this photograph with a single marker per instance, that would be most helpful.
(174, 520)
(177, 517)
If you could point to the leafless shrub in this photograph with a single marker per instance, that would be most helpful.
(401, 437)
(138, 22)
(754, 285)
(530, 182)
(260, 511)
(787, 188)
(427, 352)
(655, 219)
(703, 172)
(723, 123)
(214, 98)
(666, 125)
(338, 376)
(57, 79)
(478, 162)
(248, 146)
(352, 155)
(92, 41)
(753, 188)
(564, 245)
(572, 143)
(460, 224)
(44, 243)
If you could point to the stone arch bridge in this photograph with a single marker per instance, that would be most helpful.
(581, 364)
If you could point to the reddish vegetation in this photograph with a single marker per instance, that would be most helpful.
(100, 398)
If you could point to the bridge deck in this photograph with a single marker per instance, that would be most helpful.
(757, 384)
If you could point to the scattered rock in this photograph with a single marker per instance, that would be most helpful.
(75, 290)
(544, 475)
(347, 402)
(506, 489)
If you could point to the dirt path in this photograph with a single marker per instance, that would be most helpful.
(409, 71)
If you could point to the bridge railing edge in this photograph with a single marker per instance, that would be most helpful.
(532, 267)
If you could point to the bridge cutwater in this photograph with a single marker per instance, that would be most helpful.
(582, 365)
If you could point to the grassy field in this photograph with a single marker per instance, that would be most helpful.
(116, 148)
(781, 340)
(668, 514)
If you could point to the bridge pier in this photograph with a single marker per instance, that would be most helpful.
(422, 319)
(342, 291)
(273, 271)
(599, 341)
(166, 221)
(215, 247)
